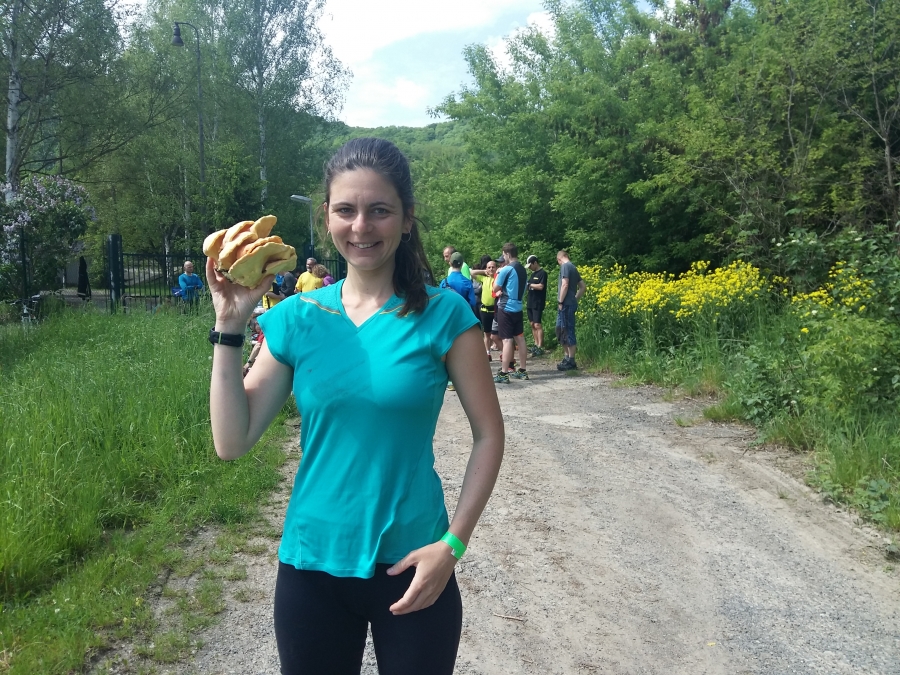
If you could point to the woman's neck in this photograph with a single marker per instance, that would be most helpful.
(368, 288)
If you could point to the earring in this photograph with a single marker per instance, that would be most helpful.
(408, 237)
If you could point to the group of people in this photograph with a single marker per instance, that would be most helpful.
(496, 292)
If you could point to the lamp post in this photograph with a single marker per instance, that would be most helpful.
(311, 249)
(177, 41)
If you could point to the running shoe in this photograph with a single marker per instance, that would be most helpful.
(519, 374)
(566, 364)
(450, 387)
(537, 352)
(490, 358)
(502, 378)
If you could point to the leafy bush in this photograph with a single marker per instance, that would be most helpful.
(51, 213)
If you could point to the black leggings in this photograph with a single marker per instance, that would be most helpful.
(321, 622)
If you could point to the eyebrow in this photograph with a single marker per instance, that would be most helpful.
(370, 205)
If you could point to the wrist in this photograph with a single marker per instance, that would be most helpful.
(230, 326)
(457, 547)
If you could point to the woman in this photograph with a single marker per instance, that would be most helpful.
(322, 273)
(362, 541)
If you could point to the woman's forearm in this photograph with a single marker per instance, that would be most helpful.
(242, 408)
(228, 405)
(478, 483)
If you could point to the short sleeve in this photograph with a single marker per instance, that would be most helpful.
(452, 317)
(277, 324)
(502, 275)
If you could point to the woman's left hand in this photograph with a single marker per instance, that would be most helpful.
(434, 565)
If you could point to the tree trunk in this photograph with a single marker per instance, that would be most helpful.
(186, 215)
(264, 192)
(14, 96)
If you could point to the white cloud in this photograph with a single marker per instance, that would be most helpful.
(380, 98)
(407, 55)
(355, 29)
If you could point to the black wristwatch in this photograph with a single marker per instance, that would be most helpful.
(226, 339)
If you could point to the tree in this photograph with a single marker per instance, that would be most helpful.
(68, 87)
(279, 58)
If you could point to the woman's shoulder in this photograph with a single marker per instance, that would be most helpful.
(444, 301)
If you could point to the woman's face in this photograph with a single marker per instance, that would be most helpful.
(491, 268)
(366, 220)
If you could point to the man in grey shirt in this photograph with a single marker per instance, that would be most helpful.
(571, 288)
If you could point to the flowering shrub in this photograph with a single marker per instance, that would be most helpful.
(676, 306)
(52, 213)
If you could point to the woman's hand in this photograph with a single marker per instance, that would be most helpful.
(233, 303)
(434, 565)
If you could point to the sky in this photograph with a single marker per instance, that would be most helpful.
(407, 55)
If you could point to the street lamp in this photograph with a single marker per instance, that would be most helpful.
(312, 244)
(177, 41)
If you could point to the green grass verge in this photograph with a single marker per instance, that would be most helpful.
(108, 463)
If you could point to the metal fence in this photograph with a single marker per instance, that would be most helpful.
(150, 280)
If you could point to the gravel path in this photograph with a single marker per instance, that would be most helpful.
(620, 542)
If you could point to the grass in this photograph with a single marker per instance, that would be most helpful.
(109, 464)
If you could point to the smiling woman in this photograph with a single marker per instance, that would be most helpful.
(367, 539)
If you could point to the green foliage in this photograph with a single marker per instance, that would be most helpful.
(97, 501)
(51, 213)
(102, 462)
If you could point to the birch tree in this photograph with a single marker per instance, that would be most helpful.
(279, 58)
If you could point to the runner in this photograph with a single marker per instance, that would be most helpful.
(510, 282)
(537, 299)
(366, 539)
(571, 288)
(488, 302)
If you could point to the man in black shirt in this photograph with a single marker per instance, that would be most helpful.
(537, 298)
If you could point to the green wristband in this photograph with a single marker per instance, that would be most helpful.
(453, 542)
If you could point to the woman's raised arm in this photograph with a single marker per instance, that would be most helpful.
(241, 409)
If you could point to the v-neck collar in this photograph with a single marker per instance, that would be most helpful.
(387, 308)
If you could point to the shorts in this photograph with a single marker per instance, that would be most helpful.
(565, 325)
(534, 314)
(509, 324)
(488, 322)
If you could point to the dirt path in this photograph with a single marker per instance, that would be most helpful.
(619, 542)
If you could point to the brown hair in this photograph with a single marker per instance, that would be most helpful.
(411, 266)
(511, 249)
(320, 271)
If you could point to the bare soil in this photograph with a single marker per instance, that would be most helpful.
(621, 541)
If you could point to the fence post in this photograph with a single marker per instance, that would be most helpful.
(23, 252)
(116, 267)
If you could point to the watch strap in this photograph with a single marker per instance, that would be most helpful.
(226, 339)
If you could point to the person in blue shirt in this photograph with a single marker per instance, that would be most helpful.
(458, 282)
(510, 282)
(366, 539)
(191, 284)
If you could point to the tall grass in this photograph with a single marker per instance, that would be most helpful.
(105, 432)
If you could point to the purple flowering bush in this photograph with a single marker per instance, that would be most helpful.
(53, 213)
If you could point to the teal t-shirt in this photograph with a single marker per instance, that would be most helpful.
(366, 491)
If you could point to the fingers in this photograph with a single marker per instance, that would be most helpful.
(401, 566)
(409, 602)
(264, 285)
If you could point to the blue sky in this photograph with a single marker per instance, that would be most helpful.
(406, 55)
